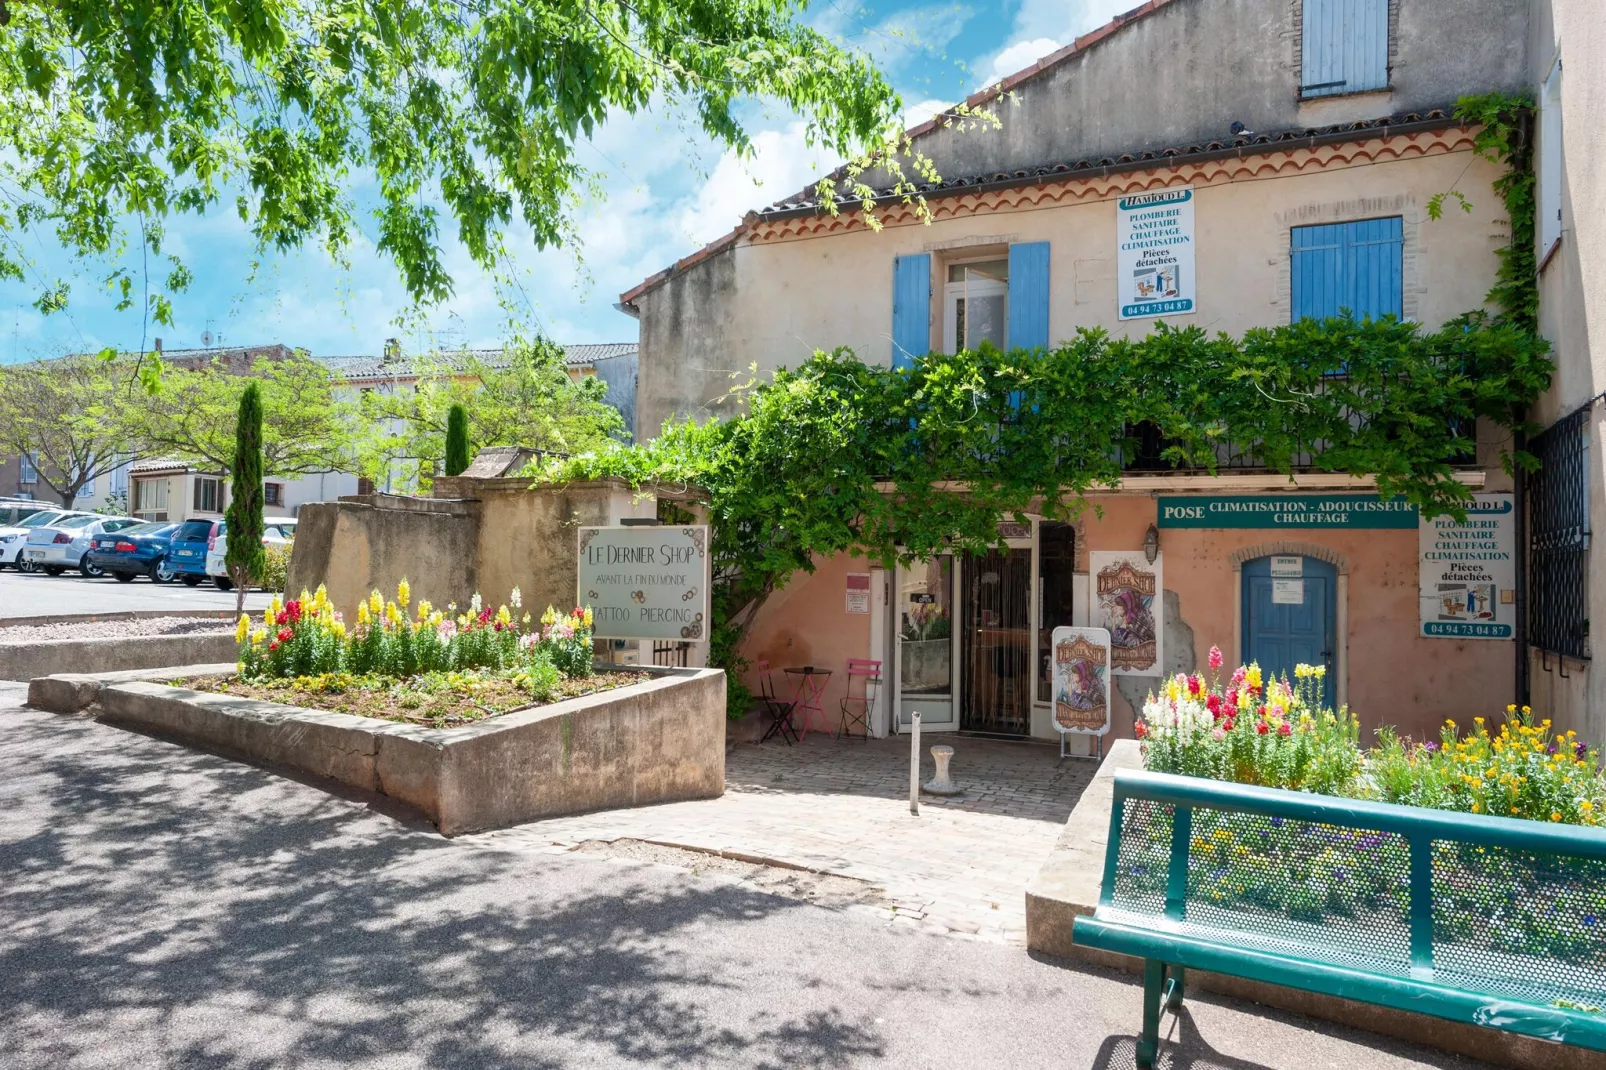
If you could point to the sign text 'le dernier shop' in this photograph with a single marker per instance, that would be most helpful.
(646, 582)
(1286, 511)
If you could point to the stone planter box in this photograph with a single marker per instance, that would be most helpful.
(1068, 886)
(662, 740)
(26, 661)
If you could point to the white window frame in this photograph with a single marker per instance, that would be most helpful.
(28, 469)
(952, 292)
(198, 496)
(1550, 146)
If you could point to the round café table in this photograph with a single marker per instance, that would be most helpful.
(808, 684)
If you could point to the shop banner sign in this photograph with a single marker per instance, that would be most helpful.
(1154, 254)
(1129, 603)
(1081, 680)
(645, 582)
(1329, 511)
(1469, 572)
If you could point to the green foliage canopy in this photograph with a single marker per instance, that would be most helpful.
(68, 415)
(838, 456)
(115, 113)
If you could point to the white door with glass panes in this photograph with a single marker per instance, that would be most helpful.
(976, 305)
(925, 643)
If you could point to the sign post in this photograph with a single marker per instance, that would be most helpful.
(1081, 684)
(645, 582)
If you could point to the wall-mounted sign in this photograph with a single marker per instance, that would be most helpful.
(645, 582)
(1154, 254)
(858, 592)
(1468, 572)
(1287, 567)
(1285, 511)
(1081, 680)
(1128, 602)
(1287, 592)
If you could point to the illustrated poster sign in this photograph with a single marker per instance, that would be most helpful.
(645, 582)
(1128, 602)
(1468, 572)
(1154, 254)
(1081, 680)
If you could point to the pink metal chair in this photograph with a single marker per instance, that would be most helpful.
(780, 708)
(864, 683)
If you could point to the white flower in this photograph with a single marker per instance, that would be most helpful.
(474, 604)
(515, 599)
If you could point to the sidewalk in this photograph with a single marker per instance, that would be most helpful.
(959, 868)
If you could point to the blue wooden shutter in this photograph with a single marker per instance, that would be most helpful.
(1345, 47)
(1357, 267)
(1028, 295)
(911, 308)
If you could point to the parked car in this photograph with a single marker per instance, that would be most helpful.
(187, 558)
(12, 538)
(63, 543)
(276, 531)
(13, 510)
(134, 551)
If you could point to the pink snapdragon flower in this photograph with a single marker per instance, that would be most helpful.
(1216, 659)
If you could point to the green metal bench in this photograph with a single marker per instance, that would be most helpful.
(1488, 920)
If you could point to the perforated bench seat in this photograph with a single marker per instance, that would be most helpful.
(1338, 897)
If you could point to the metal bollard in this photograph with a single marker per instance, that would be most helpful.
(914, 763)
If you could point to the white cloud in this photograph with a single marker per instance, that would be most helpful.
(1020, 56)
(782, 163)
(915, 114)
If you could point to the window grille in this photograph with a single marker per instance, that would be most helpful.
(1558, 538)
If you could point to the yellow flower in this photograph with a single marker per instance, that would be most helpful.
(1253, 677)
(403, 592)
(424, 609)
(320, 597)
(1586, 806)
(362, 613)
(375, 603)
(588, 616)
(242, 629)
(503, 617)
(1512, 708)
(257, 635)
(1319, 671)
(1554, 816)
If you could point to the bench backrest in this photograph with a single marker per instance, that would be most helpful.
(1483, 904)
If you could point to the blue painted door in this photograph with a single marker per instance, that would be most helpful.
(1288, 620)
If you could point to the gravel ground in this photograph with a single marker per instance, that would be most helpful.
(113, 629)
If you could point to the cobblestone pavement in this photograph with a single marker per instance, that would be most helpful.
(959, 868)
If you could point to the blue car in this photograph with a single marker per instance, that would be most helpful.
(187, 554)
(139, 550)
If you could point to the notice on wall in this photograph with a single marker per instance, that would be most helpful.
(1081, 680)
(1290, 567)
(1340, 511)
(859, 592)
(1154, 251)
(645, 582)
(1128, 602)
(1468, 572)
(1287, 592)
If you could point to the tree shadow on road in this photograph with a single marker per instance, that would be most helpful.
(154, 895)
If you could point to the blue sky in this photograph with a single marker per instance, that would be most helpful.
(666, 191)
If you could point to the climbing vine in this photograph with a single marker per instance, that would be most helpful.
(839, 456)
(1505, 135)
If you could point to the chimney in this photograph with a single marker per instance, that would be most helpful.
(392, 350)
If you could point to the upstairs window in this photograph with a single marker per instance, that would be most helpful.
(1550, 162)
(975, 306)
(1355, 267)
(272, 494)
(1345, 47)
(29, 472)
(208, 495)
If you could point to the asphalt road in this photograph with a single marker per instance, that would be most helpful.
(33, 594)
(163, 907)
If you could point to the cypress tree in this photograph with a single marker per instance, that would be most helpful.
(456, 440)
(244, 558)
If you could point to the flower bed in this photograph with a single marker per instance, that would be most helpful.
(435, 699)
(1276, 733)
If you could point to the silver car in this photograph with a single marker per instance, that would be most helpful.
(61, 544)
(14, 536)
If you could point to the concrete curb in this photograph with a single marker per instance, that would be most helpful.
(75, 692)
(662, 740)
(28, 661)
(1068, 886)
(123, 614)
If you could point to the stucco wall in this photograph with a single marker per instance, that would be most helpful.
(1181, 75)
(1572, 309)
(1394, 677)
(776, 302)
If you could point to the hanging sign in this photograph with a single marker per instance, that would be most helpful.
(1468, 572)
(1284, 511)
(1154, 254)
(1081, 680)
(1128, 603)
(645, 582)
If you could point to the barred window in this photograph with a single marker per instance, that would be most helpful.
(1558, 538)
